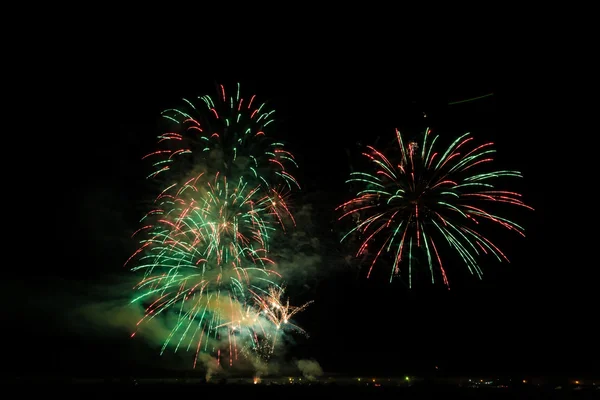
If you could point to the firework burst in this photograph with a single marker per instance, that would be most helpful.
(224, 184)
(277, 310)
(226, 135)
(426, 200)
(266, 321)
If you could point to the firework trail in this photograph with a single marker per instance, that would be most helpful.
(425, 200)
(224, 184)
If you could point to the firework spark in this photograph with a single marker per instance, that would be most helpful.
(268, 319)
(278, 311)
(426, 200)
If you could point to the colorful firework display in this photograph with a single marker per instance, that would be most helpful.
(204, 255)
(425, 200)
(204, 247)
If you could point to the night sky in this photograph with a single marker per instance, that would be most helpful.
(533, 315)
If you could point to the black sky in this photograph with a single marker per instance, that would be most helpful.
(534, 315)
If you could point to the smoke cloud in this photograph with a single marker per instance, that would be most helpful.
(310, 369)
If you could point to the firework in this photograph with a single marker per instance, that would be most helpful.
(278, 311)
(426, 200)
(226, 135)
(266, 320)
(212, 224)
(224, 185)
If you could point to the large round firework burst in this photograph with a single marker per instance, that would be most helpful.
(427, 199)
